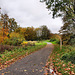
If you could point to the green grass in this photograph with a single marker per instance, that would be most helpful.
(56, 59)
(54, 42)
(47, 40)
(8, 55)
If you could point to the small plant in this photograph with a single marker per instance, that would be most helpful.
(69, 57)
(6, 47)
(24, 43)
(72, 57)
(7, 56)
(31, 43)
(65, 56)
(63, 60)
(54, 40)
(14, 39)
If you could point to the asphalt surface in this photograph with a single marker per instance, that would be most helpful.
(32, 64)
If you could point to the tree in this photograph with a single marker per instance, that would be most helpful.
(1, 36)
(12, 25)
(21, 31)
(7, 25)
(38, 33)
(3, 26)
(58, 7)
(68, 30)
(3, 33)
(30, 33)
(45, 32)
(68, 27)
(66, 9)
(4, 19)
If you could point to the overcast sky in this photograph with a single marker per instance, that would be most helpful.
(30, 13)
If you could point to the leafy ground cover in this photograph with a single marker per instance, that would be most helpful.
(10, 56)
(63, 60)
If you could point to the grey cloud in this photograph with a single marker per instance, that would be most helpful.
(30, 13)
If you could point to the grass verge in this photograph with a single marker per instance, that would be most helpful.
(65, 67)
(9, 56)
(53, 42)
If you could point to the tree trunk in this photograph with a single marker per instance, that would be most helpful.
(74, 6)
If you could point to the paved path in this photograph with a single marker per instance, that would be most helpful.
(32, 64)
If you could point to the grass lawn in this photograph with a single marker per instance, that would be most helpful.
(54, 42)
(64, 60)
(9, 56)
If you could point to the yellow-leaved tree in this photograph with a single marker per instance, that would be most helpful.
(3, 33)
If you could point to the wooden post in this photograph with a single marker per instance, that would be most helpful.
(60, 37)
(60, 43)
(74, 5)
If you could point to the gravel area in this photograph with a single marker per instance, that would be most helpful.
(32, 64)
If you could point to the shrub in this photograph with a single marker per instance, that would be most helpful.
(6, 47)
(55, 40)
(69, 57)
(12, 41)
(52, 39)
(71, 41)
(72, 57)
(31, 43)
(65, 56)
(24, 43)
(28, 43)
(15, 39)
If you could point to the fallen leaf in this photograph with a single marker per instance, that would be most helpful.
(7, 72)
(2, 74)
(25, 70)
(59, 74)
(63, 65)
(41, 63)
(33, 70)
(72, 72)
(41, 70)
(43, 67)
(36, 69)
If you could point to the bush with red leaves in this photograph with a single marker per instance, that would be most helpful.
(6, 47)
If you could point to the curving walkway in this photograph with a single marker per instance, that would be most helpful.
(32, 64)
